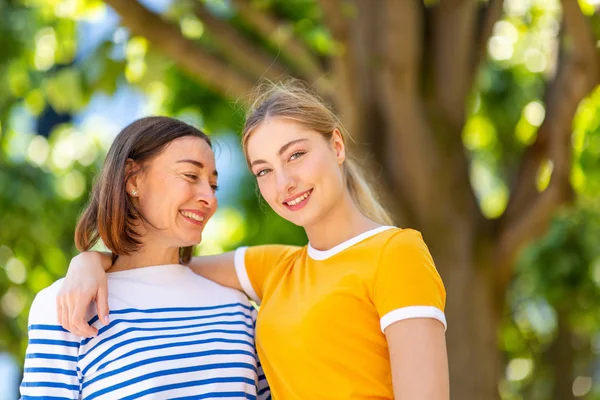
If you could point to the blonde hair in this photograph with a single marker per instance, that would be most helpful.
(294, 101)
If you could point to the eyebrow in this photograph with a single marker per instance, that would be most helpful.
(197, 164)
(282, 150)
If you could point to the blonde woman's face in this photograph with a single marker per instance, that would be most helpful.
(298, 170)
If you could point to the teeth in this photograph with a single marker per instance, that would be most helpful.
(298, 199)
(192, 216)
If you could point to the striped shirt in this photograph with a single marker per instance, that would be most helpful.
(172, 334)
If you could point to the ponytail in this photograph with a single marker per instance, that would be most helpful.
(362, 193)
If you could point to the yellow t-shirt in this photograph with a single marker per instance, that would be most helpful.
(320, 326)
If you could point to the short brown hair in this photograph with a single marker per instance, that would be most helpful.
(111, 214)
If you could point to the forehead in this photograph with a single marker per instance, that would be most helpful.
(272, 134)
(189, 147)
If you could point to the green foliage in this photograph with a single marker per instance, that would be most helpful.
(44, 182)
(36, 239)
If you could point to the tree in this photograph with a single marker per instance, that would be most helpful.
(412, 81)
(400, 77)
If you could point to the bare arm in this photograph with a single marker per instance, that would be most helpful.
(418, 359)
(86, 282)
(218, 268)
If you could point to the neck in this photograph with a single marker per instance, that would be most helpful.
(147, 255)
(344, 221)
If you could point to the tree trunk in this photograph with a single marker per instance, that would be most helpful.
(473, 316)
(562, 358)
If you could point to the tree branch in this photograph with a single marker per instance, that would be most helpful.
(446, 117)
(454, 26)
(304, 62)
(576, 77)
(345, 64)
(410, 154)
(245, 54)
(488, 16)
(168, 39)
(523, 190)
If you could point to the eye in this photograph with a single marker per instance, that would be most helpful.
(191, 176)
(262, 172)
(214, 187)
(296, 155)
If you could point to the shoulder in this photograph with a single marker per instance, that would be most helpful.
(276, 249)
(406, 276)
(43, 308)
(399, 242)
(403, 236)
(269, 254)
(405, 250)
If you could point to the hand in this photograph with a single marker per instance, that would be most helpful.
(84, 283)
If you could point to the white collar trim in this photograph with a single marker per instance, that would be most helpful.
(325, 254)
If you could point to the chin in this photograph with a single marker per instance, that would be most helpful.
(300, 220)
(189, 241)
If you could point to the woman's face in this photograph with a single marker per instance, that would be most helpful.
(298, 171)
(176, 192)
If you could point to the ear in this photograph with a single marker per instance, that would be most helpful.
(337, 140)
(132, 175)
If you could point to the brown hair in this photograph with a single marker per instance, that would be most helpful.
(111, 213)
(294, 101)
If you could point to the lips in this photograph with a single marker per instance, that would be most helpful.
(297, 198)
(298, 201)
(194, 216)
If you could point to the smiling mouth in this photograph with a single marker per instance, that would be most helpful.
(192, 217)
(298, 202)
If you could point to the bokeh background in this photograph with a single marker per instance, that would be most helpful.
(478, 119)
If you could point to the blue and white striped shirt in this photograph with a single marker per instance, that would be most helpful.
(172, 334)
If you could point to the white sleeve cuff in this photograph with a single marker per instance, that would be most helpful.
(412, 312)
(242, 274)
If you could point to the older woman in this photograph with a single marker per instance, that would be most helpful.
(172, 334)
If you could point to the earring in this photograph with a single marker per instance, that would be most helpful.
(134, 192)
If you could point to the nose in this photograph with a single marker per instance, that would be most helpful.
(286, 182)
(206, 195)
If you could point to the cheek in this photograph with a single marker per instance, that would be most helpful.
(268, 191)
(167, 195)
(320, 167)
(326, 174)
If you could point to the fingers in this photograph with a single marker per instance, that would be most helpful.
(102, 303)
(66, 314)
(77, 305)
(59, 311)
(79, 324)
(85, 281)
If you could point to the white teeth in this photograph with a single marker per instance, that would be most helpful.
(298, 199)
(192, 216)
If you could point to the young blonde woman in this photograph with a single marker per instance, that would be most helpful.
(357, 313)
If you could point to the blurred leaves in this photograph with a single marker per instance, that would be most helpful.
(44, 179)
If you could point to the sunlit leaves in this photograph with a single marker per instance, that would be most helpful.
(586, 145)
(544, 174)
(136, 64)
(556, 276)
(191, 27)
(18, 79)
(508, 110)
(64, 90)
